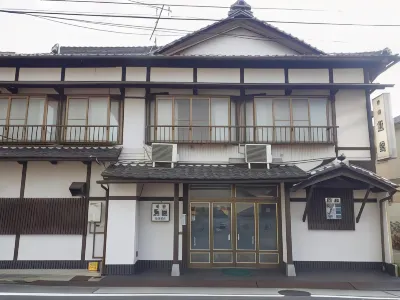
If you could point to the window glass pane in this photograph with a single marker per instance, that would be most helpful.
(164, 119)
(282, 109)
(318, 117)
(114, 121)
(98, 111)
(250, 191)
(220, 119)
(3, 109)
(264, 120)
(200, 191)
(222, 214)
(151, 129)
(200, 117)
(77, 108)
(268, 230)
(200, 226)
(35, 118)
(51, 129)
(18, 111)
(282, 131)
(182, 119)
(300, 109)
(233, 121)
(249, 121)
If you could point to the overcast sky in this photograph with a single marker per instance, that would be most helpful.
(29, 34)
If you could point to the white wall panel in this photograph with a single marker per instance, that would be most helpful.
(33, 91)
(264, 76)
(10, 180)
(123, 189)
(308, 76)
(228, 75)
(95, 189)
(44, 180)
(298, 194)
(310, 93)
(136, 74)
(171, 74)
(159, 190)
(98, 247)
(348, 75)
(238, 42)
(268, 92)
(93, 74)
(211, 92)
(7, 74)
(160, 245)
(354, 126)
(50, 247)
(134, 128)
(208, 153)
(363, 244)
(173, 91)
(7, 243)
(387, 240)
(131, 92)
(121, 248)
(40, 74)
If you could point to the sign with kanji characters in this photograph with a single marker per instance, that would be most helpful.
(160, 212)
(333, 208)
(385, 140)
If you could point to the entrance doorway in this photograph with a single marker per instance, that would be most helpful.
(234, 233)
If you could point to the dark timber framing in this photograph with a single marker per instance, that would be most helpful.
(195, 90)
(308, 201)
(21, 198)
(176, 224)
(185, 232)
(363, 205)
(87, 197)
(332, 97)
(103, 262)
(369, 119)
(288, 222)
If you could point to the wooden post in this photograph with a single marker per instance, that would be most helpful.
(175, 264)
(290, 269)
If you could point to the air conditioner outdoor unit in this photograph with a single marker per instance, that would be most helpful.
(165, 153)
(258, 154)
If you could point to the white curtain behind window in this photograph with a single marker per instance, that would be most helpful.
(164, 120)
(249, 121)
(17, 118)
(318, 117)
(201, 117)
(76, 117)
(114, 117)
(282, 120)
(51, 121)
(300, 120)
(35, 118)
(220, 119)
(97, 129)
(3, 118)
(264, 120)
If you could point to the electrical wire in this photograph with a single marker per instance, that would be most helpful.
(88, 14)
(187, 5)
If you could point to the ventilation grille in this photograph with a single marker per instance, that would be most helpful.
(258, 154)
(164, 152)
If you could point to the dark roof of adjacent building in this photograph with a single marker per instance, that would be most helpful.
(339, 168)
(138, 50)
(396, 120)
(47, 153)
(200, 172)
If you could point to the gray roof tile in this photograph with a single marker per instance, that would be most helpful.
(60, 153)
(200, 172)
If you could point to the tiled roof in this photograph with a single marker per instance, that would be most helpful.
(139, 50)
(201, 172)
(60, 153)
(396, 120)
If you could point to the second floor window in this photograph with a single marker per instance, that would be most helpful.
(92, 119)
(27, 118)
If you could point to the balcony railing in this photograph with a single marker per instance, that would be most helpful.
(241, 134)
(59, 134)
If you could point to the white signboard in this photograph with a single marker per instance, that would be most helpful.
(385, 140)
(160, 212)
(333, 208)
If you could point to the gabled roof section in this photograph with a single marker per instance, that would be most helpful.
(239, 16)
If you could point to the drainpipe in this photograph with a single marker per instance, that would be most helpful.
(103, 263)
(382, 228)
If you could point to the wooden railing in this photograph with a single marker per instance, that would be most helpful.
(59, 134)
(241, 134)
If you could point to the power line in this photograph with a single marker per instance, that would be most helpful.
(187, 5)
(88, 14)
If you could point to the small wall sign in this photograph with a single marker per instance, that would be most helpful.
(160, 212)
(333, 208)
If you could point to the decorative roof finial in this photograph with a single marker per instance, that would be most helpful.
(240, 9)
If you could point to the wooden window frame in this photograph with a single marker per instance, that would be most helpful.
(87, 99)
(190, 98)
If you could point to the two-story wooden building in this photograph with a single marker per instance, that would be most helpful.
(217, 150)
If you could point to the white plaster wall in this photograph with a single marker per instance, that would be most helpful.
(40, 74)
(360, 194)
(238, 41)
(98, 247)
(212, 92)
(354, 126)
(133, 92)
(308, 75)
(136, 74)
(7, 74)
(92, 91)
(387, 234)
(298, 194)
(173, 91)
(171, 74)
(7, 243)
(95, 189)
(123, 189)
(159, 190)
(50, 247)
(44, 180)
(93, 74)
(10, 180)
(348, 75)
(264, 76)
(310, 92)
(363, 244)
(228, 75)
(134, 128)
(267, 92)
(208, 153)
(121, 232)
(33, 91)
(160, 245)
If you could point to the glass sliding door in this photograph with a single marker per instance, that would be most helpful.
(245, 233)
(222, 233)
(268, 233)
(199, 233)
